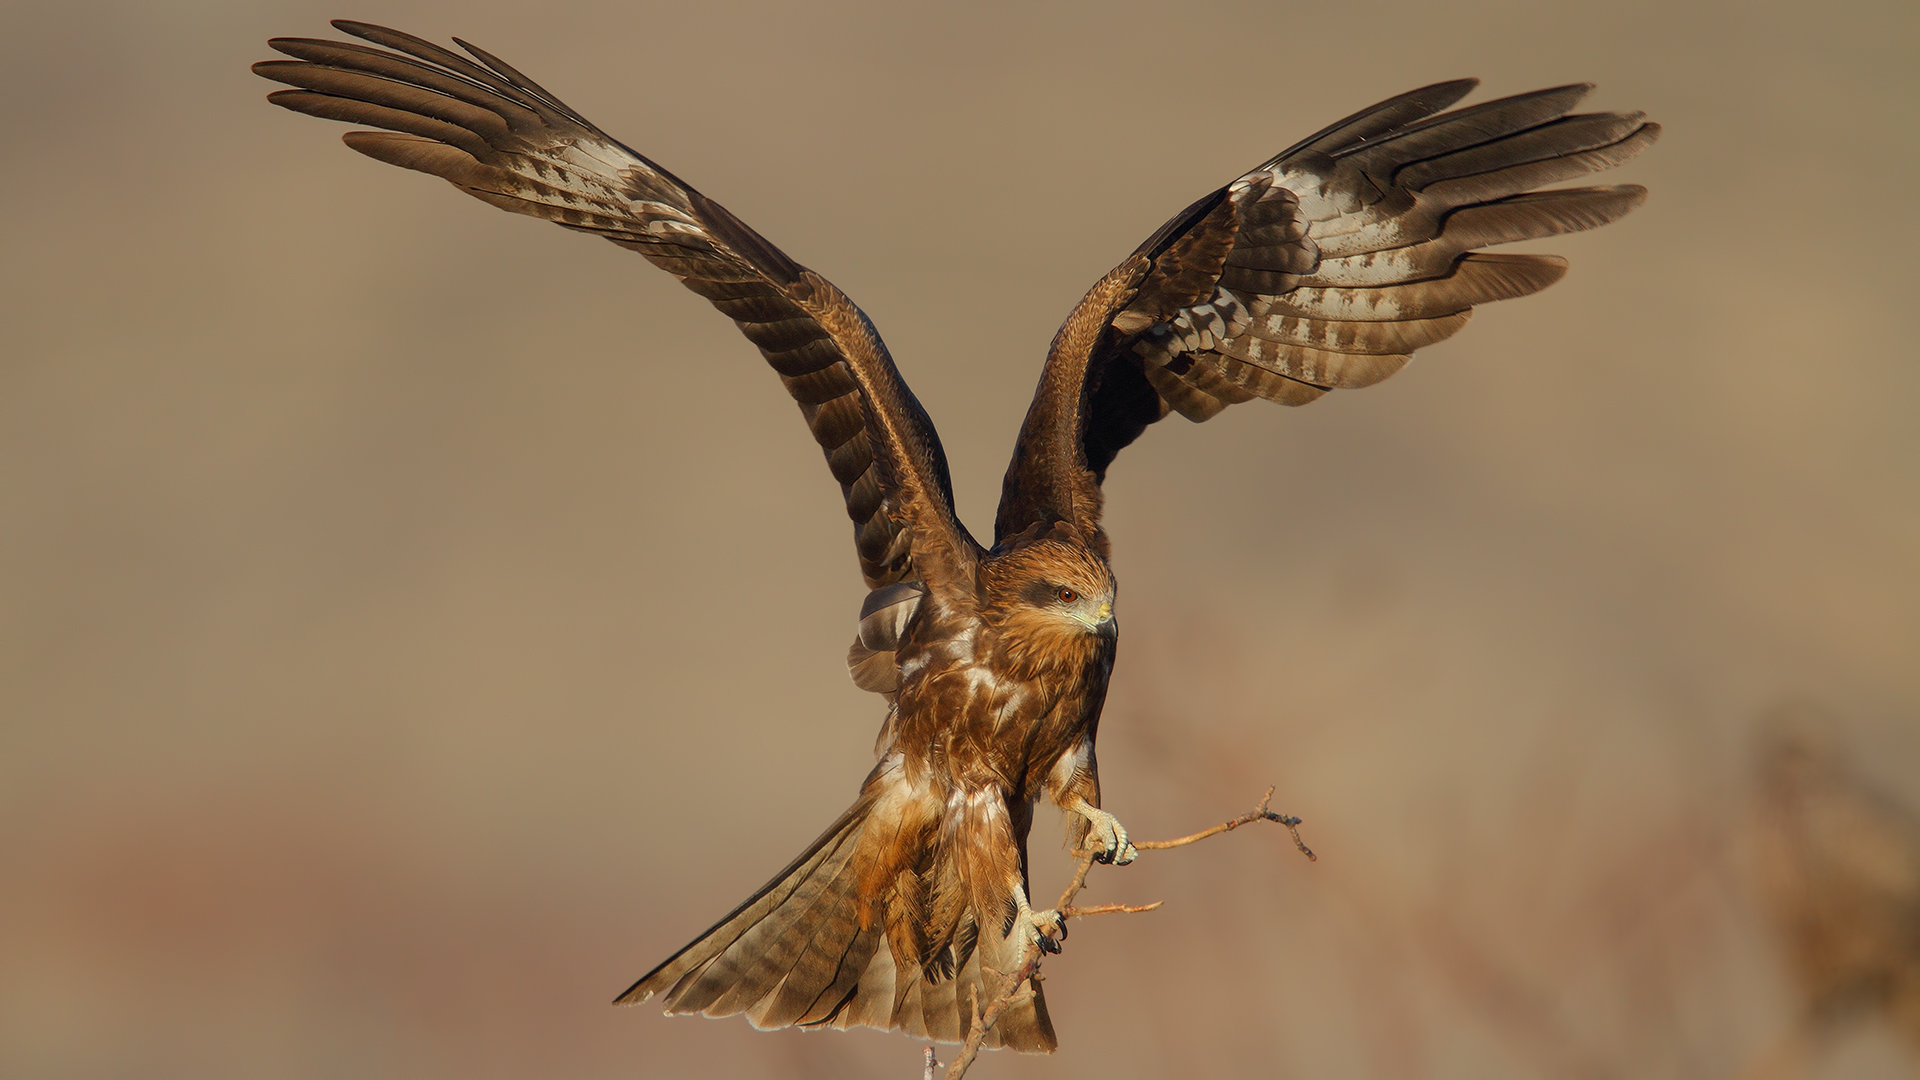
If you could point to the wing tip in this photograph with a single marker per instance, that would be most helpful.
(1455, 88)
(1616, 200)
(1559, 262)
(633, 995)
(419, 153)
(284, 98)
(1497, 276)
(1575, 90)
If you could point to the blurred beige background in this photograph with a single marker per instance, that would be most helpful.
(393, 668)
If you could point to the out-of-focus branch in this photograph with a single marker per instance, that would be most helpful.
(983, 1020)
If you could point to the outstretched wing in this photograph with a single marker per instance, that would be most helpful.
(1322, 269)
(498, 136)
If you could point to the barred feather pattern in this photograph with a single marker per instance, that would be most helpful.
(842, 937)
(1347, 252)
(499, 136)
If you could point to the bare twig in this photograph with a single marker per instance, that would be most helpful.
(1109, 909)
(1030, 960)
(932, 1064)
(983, 1023)
(1258, 813)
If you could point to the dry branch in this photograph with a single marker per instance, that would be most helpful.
(1258, 813)
(1108, 909)
(1029, 968)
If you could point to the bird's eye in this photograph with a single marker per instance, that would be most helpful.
(1068, 596)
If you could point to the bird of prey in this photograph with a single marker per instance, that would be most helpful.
(1322, 268)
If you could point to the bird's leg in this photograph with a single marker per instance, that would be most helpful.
(987, 843)
(1074, 784)
(1106, 836)
(1047, 929)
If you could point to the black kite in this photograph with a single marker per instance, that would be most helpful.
(1322, 268)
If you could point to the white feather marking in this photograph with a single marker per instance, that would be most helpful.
(1340, 303)
(664, 226)
(1070, 766)
(1016, 698)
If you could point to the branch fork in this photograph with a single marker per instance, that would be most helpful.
(984, 1019)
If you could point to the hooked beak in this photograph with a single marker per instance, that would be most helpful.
(1106, 626)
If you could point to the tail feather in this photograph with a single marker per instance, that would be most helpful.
(818, 945)
(666, 977)
(834, 934)
(943, 1011)
(758, 962)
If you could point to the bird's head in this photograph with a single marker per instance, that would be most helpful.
(1050, 590)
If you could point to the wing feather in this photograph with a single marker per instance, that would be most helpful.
(1376, 120)
(1478, 278)
(1324, 268)
(1472, 126)
(484, 127)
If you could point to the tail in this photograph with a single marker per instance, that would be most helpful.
(839, 939)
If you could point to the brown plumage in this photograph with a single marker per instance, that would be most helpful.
(1323, 268)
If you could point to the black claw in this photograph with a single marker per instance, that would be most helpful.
(1103, 856)
(1048, 945)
